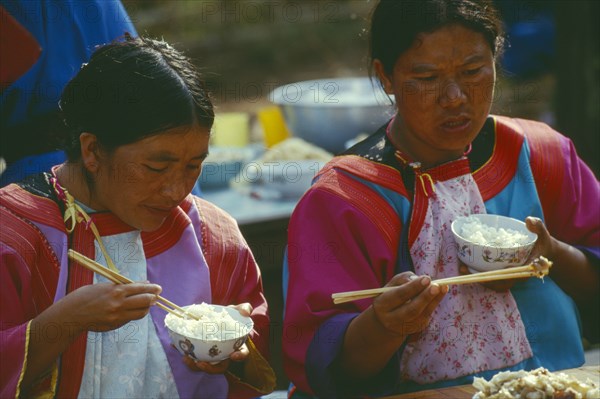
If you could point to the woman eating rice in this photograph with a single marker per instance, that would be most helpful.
(140, 122)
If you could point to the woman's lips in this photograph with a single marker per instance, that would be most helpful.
(455, 126)
(163, 212)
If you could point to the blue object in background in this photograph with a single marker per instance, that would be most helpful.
(532, 47)
(531, 36)
(67, 33)
(31, 165)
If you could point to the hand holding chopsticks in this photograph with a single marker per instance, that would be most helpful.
(117, 278)
(539, 268)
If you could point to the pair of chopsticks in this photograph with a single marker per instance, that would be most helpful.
(539, 268)
(117, 278)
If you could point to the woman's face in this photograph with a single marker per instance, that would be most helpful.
(444, 86)
(143, 181)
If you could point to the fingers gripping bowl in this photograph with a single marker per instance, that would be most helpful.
(219, 332)
(490, 242)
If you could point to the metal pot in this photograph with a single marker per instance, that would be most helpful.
(331, 112)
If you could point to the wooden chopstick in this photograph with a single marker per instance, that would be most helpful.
(502, 274)
(468, 279)
(117, 278)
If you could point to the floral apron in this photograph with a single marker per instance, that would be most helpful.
(473, 328)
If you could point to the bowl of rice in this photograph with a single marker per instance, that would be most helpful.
(490, 242)
(218, 332)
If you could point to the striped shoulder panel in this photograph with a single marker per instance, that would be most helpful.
(223, 250)
(377, 173)
(546, 158)
(500, 169)
(35, 207)
(366, 200)
(32, 246)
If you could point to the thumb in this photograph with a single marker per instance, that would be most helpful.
(245, 309)
(535, 225)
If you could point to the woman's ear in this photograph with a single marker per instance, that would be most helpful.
(383, 77)
(89, 152)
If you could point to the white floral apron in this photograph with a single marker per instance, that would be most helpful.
(473, 328)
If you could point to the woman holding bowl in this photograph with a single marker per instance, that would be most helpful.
(380, 214)
(140, 122)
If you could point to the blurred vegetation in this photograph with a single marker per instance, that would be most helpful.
(246, 48)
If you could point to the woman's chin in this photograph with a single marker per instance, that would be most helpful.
(147, 225)
(150, 227)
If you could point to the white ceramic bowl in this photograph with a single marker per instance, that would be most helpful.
(481, 257)
(223, 164)
(289, 178)
(214, 341)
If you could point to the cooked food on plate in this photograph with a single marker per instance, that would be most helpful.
(295, 148)
(536, 384)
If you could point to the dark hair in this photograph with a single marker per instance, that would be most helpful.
(132, 89)
(395, 24)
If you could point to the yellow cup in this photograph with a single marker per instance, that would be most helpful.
(273, 124)
(231, 129)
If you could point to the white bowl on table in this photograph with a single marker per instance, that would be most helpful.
(501, 242)
(223, 164)
(209, 339)
(288, 179)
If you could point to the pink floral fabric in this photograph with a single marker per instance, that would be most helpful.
(473, 328)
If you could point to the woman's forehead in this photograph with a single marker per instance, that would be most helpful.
(176, 142)
(453, 42)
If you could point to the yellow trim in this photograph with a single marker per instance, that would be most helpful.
(50, 393)
(428, 176)
(358, 157)
(18, 391)
(258, 374)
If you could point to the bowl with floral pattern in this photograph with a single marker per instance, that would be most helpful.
(212, 336)
(491, 242)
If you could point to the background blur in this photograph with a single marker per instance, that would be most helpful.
(246, 48)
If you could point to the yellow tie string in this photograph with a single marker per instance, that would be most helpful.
(75, 214)
(423, 185)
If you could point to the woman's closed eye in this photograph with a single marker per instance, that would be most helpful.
(473, 71)
(156, 169)
(430, 78)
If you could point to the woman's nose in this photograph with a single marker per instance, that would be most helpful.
(176, 189)
(452, 94)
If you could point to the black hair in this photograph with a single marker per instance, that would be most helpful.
(131, 89)
(395, 24)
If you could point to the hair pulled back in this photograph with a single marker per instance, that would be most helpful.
(396, 24)
(131, 89)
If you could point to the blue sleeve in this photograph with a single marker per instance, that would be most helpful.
(323, 375)
(593, 253)
(67, 33)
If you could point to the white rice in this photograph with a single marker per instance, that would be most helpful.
(475, 231)
(213, 325)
